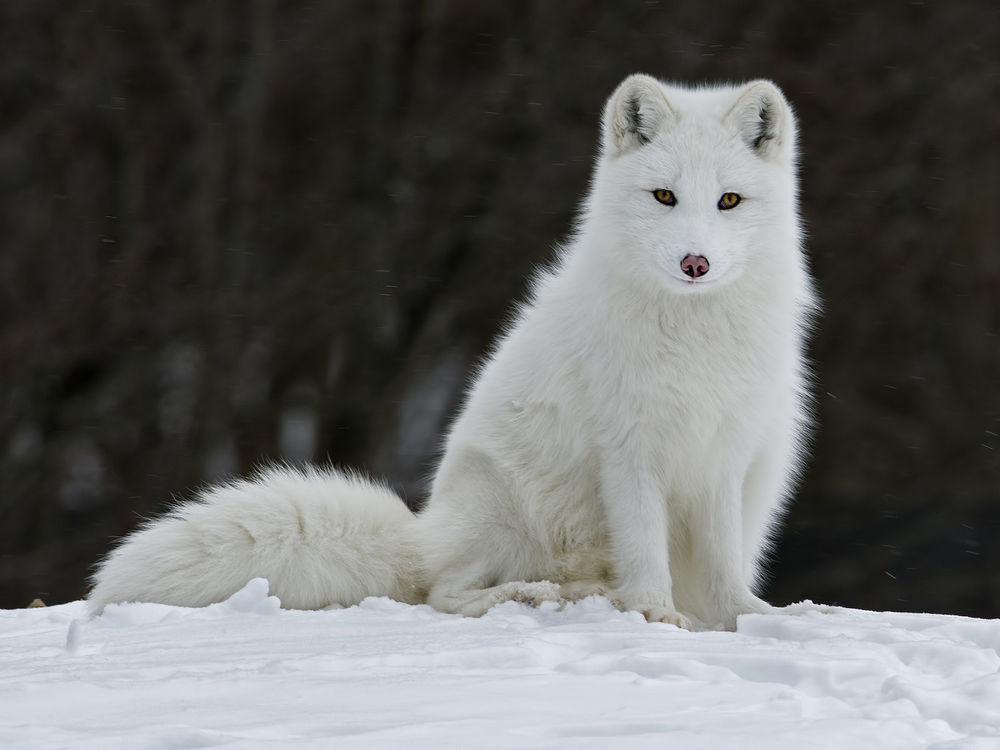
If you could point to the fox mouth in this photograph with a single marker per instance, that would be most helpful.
(687, 283)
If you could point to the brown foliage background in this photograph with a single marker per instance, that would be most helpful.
(236, 232)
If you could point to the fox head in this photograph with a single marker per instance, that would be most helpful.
(698, 183)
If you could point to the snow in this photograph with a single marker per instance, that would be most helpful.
(245, 673)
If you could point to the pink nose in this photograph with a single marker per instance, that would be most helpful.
(694, 266)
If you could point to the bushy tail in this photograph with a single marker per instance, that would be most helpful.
(320, 537)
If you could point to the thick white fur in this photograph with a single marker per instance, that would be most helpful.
(304, 531)
(635, 433)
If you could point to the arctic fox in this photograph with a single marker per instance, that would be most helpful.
(634, 434)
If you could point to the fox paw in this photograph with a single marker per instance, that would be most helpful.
(655, 608)
(532, 593)
(574, 591)
(669, 616)
(745, 604)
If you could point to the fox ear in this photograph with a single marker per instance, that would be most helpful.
(764, 120)
(633, 114)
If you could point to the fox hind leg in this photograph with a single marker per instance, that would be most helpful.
(450, 595)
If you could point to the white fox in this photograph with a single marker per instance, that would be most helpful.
(635, 433)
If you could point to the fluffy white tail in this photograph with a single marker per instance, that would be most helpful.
(320, 537)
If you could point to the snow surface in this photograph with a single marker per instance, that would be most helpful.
(245, 673)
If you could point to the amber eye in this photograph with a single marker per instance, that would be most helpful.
(729, 200)
(666, 197)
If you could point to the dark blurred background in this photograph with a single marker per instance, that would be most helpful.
(236, 232)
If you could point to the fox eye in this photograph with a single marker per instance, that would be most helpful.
(729, 200)
(666, 197)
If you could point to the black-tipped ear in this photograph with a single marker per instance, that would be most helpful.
(764, 120)
(634, 113)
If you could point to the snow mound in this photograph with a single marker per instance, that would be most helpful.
(245, 673)
(251, 599)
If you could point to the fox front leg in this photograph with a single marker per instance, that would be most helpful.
(637, 520)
